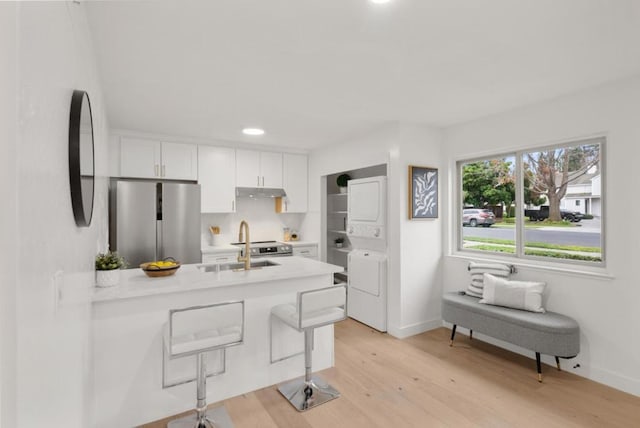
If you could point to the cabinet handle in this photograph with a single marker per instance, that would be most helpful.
(163, 170)
(258, 177)
(263, 181)
(233, 205)
(286, 206)
(155, 170)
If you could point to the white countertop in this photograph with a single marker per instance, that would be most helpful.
(134, 282)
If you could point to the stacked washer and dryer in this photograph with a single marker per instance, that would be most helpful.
(367, 262)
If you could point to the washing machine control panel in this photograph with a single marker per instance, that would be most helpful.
(366, 231)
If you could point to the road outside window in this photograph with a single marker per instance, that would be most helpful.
(559, 190)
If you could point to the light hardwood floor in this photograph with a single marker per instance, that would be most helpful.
(422, 382)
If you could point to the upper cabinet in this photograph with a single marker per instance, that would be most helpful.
(216, 176)
(140, 158)
(258, 169)
(179, 161)
(295, 183)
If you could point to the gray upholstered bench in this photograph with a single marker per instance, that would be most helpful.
(545, 333)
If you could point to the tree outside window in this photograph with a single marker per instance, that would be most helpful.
(545, 180)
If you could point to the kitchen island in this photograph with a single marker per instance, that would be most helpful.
(128, 323)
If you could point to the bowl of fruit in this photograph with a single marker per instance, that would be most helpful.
(160, 268)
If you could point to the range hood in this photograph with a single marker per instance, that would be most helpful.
(259, 192)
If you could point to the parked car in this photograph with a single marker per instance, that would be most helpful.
(543, 213)
(478, 217)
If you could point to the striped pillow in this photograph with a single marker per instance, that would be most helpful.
(478, 270)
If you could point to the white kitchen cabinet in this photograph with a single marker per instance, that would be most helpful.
(179, 161)
(309, 251)
(141, 158)
(258, 169)
(219, 258)
(295, 184)
(216, 176)
(271, 170)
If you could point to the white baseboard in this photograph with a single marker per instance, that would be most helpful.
(578, 365)
(413, 329)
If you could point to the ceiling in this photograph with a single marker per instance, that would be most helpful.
(317, 72)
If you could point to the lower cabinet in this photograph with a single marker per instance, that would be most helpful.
(218, 258)
(309, 251)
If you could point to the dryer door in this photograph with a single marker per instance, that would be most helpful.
(366, 271)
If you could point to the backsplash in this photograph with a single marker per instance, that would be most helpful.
(264, 223)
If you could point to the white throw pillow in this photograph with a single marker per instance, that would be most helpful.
(526, 295)
(477, 271)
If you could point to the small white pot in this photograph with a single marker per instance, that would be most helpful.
(338, 244)
(107, 278)
(342, 189)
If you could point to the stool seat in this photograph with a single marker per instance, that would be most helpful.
(289, 314)
(205, 339)
(194, 331)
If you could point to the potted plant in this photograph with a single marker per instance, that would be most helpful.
(341, 181)
(108, 267)
(339, 242)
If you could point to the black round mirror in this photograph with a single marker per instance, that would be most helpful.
(81, 160)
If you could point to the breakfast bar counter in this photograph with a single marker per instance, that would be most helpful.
(134, 283)
(128, 320)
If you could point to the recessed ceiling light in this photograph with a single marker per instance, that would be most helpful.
(253, 131)
(380, 1)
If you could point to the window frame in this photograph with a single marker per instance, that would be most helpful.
(519, 231)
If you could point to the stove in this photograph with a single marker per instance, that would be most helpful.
(266, 249)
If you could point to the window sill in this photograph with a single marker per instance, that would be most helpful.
(573, 270)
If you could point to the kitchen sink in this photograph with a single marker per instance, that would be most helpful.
(236, 267)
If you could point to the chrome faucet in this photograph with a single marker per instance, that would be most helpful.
(247, 251)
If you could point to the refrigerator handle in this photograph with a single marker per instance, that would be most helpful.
(159, 243)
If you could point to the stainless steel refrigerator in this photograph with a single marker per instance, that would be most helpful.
(150, 220)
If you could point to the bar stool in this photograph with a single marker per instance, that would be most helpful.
(313, 309)
(195, 331)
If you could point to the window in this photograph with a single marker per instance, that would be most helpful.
(527, 204)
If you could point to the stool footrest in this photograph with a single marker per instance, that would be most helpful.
(304, 396)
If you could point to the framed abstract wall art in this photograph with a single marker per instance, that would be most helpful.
(423, 192)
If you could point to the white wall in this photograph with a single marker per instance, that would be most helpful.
(607, 309)
(8, 213)
(54, 257)
(413, 246)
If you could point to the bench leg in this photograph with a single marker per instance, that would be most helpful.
(558, 363)
(539, 366)
(453, 333)
(470, 334)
